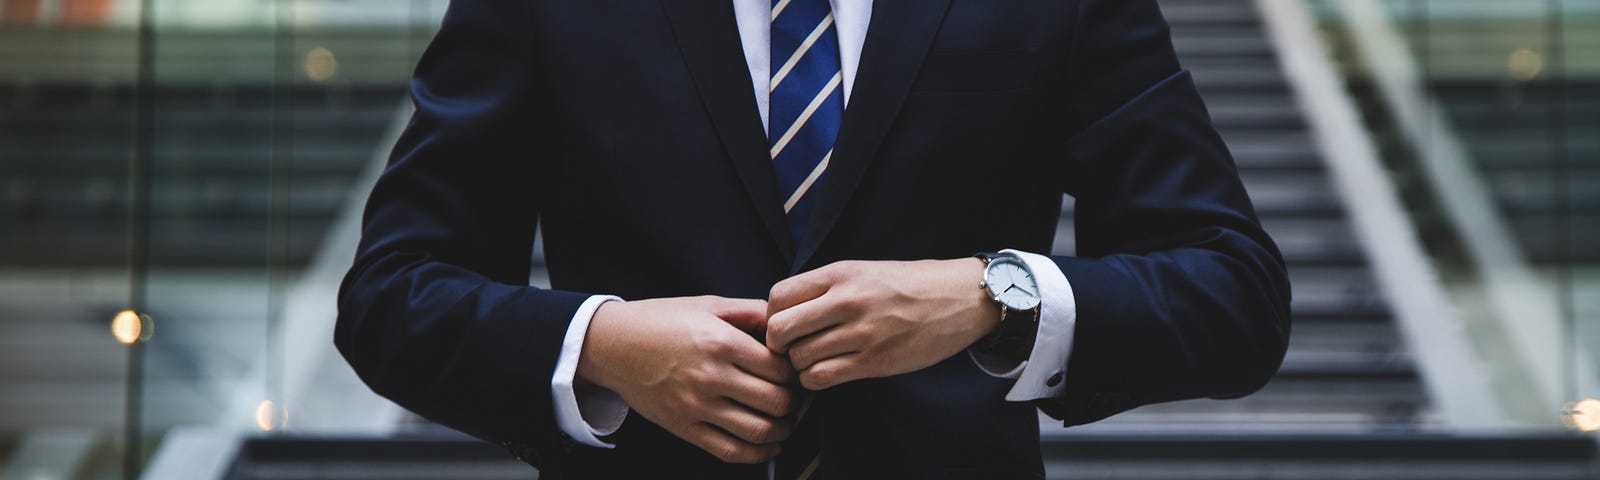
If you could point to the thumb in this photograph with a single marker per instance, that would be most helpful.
(745, 314)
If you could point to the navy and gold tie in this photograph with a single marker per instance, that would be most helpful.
(806, 98)
(806, 102)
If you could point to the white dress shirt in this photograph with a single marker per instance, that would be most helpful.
(589, 412)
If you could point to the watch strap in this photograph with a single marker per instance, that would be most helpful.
(1013, 339)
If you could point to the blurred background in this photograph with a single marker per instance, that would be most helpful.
(181, 184)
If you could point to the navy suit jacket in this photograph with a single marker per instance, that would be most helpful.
(628, 130)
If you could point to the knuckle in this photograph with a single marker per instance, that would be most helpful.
(780, 291)
(865, 331)
(763, 432)
(782, 403)
(702, 376)
(718, 346)
(854, 300)
(823, 377)
(690, 402)
(726, 453)
(826, 376)
(799, 357)
(809, 380)
(736, 454)
(777, 329)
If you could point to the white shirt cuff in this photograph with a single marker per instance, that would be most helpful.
(586, 412)
(1052, 347)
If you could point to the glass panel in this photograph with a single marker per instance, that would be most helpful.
(213, 251)
(1578, 165)
(68, 89)
(1513, 84)
(267, 115)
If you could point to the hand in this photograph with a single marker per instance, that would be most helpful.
(856, 319)
(684, 364)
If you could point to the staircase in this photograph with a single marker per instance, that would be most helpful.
(1300, 457)
(1347, 369)
(247, 174)
(218, 150)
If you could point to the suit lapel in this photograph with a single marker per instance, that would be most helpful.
(709, 40)
(898, 38)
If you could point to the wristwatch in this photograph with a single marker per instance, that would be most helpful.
(1010, 283)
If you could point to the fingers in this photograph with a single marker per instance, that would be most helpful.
(790, 325)
(799, 289)
(833, 371)
(745, 314)
(751, 356)
(829, 343)
(759, 395)
(726, 447)
(749, 426)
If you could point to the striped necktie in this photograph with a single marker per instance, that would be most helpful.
(807, 102)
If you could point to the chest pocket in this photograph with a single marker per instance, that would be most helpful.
(993, 26)
(986, 46)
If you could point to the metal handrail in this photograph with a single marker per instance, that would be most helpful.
(1453, 375)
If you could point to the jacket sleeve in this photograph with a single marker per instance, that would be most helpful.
(1180, 293)
(436, 313)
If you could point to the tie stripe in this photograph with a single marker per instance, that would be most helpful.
(816, 102)
(810, 469)
(777, 8)
(811, 39)
(806, 185)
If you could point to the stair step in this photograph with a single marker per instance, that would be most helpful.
(1069, 455)
(1240, 47)
(1354, 455)
(176, 244)
(1182, 14)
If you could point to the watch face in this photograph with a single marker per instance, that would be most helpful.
(1011, 284)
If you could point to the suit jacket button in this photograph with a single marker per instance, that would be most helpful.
(1055, 379)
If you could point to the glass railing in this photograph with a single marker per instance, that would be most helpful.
(1490, 125)
(183, 161)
